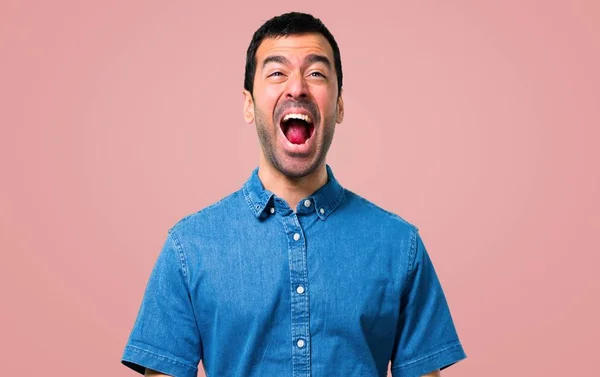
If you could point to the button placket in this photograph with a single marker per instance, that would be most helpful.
(300, 335)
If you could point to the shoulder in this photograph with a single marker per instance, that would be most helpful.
(214, 213)
(383, 227)
(367, 209)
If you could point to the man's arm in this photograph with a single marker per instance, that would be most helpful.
(433, 374)
(153, 373)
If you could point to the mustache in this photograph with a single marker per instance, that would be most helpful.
(303, 104)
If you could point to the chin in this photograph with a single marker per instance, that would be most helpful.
(296, 169)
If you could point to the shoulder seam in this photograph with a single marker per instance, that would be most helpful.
(412, 252)
(182, 256)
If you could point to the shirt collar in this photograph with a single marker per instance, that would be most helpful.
(325, 199)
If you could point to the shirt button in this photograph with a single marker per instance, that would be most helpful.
(307, 203)
(322, 211)
(300, 343)
(272, 210)
(296, 236)
(300, 289)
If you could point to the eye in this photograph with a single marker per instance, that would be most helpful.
(317, 74)
(276, 73)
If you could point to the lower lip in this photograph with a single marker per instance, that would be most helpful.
(297, 149)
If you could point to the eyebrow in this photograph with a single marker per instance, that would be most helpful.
(315, 58)
(310, 59)
(275, 59)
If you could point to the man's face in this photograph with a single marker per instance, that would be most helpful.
(295, 105)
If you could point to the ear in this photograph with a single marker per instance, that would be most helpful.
(340, 109)
(248, 107)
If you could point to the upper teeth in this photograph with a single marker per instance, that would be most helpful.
(303, 117)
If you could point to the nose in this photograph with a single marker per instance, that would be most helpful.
(296, 87)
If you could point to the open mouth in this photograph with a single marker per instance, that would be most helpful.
(297, 128)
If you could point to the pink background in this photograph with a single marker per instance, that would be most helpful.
(477, 121)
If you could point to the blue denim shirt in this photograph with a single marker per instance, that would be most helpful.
(340, 287)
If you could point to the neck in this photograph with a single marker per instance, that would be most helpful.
(290, 189)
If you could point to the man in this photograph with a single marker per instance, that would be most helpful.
(293, 275)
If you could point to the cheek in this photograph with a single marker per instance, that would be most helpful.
(326, 101)
(271, 93)
(267, 101)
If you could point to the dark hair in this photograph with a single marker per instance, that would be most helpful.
(292, 23)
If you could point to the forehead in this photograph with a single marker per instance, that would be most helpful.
(294, 46)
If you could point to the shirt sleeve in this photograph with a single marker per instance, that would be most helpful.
(426, 338)
(165, 334)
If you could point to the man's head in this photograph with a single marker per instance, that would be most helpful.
(289, 24)
(292, 91)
